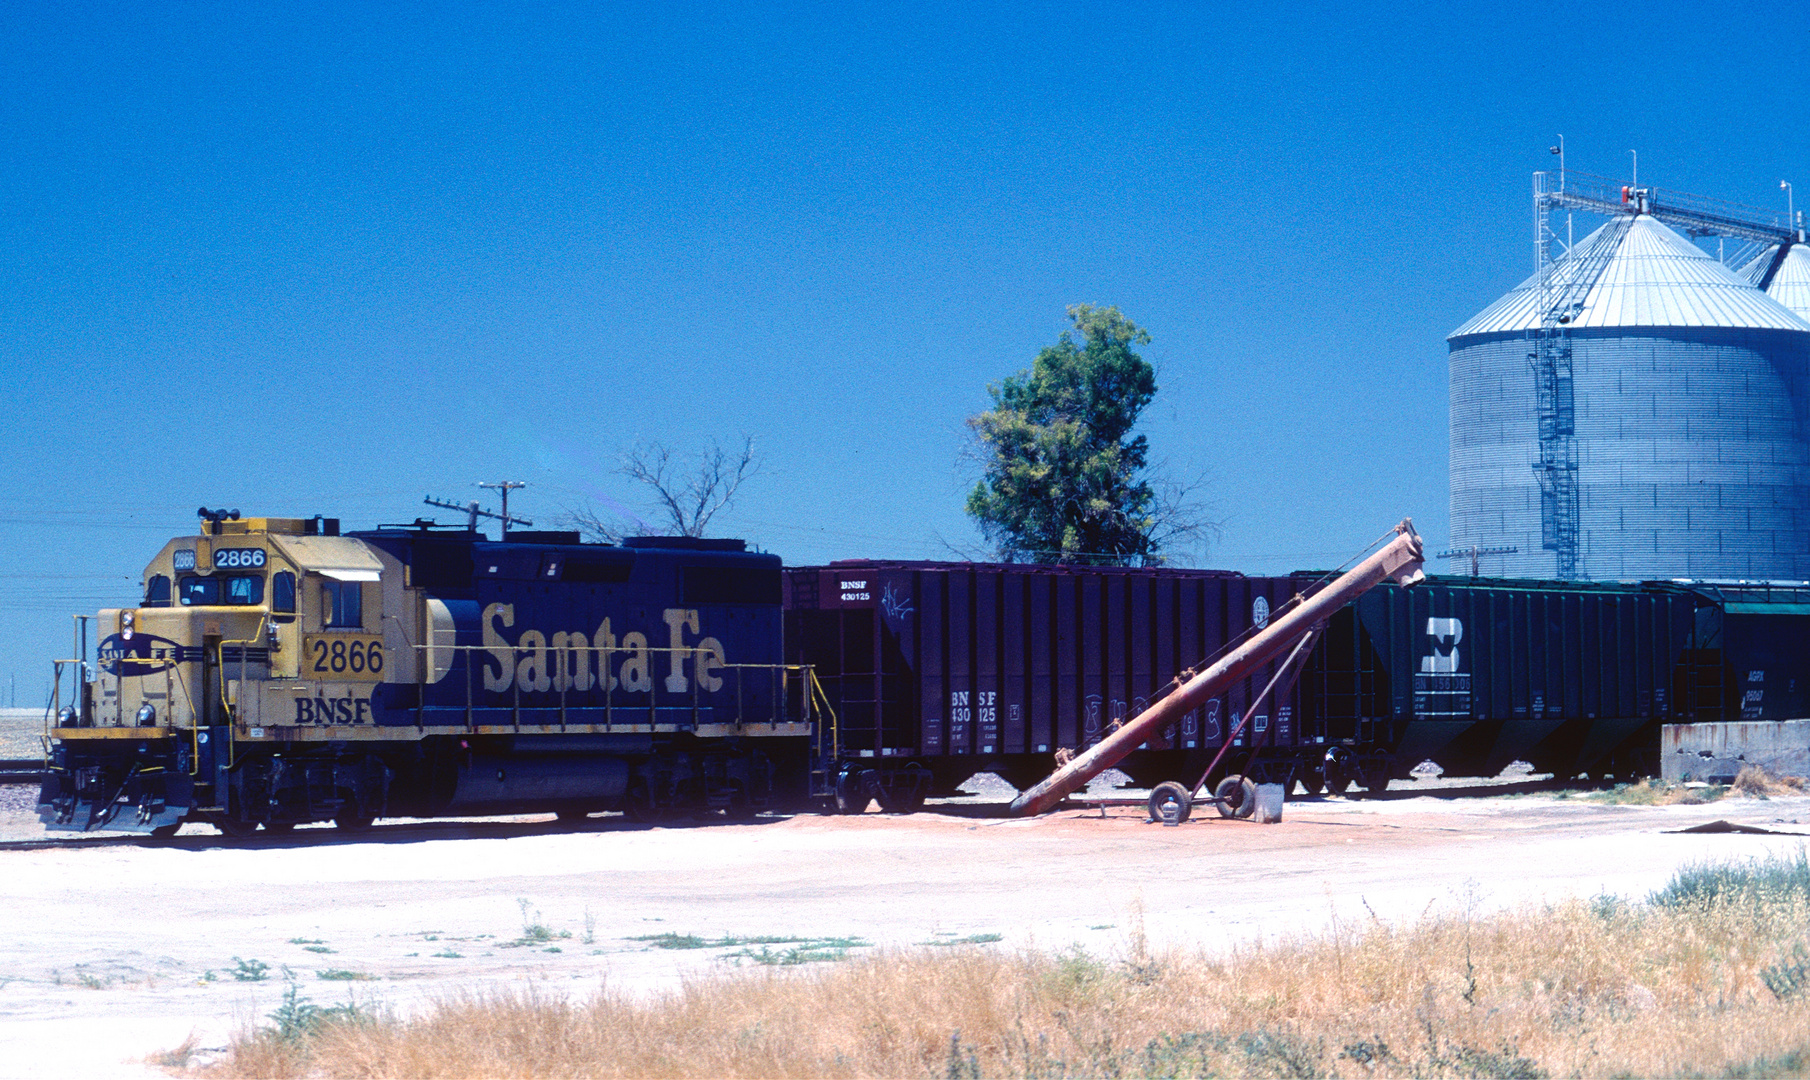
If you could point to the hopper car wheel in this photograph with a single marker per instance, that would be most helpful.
(1337, 781)
(234, 828)
(571, 817)
(352, 823)
(902, 802)
(164, 832)
(1237, 797)
(1375, 778)
(1312, 782)
(854, 791)
(279, 827)
(1168, 791)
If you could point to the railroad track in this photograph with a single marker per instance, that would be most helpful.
(21, 770)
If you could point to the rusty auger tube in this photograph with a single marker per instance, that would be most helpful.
(1399, 561)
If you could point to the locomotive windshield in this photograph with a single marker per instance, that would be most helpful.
(237, 591)
(157, 591)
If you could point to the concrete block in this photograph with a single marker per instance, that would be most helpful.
(1717, 752)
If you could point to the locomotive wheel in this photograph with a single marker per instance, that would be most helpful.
(656, 815)
(353, 823)
(279, 827)
(740, 807)
(1237, 797)
(571, 817)
(235, 828)
(1166, 791)
(164, 832)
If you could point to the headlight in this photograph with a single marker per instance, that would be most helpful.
(66, 717)
(147, 715)
(127, 618)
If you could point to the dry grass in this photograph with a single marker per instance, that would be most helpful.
(1757, 780)
(1754, 781)
(1696, 981)
(1656, 792)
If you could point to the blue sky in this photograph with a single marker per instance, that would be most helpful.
(331, 260)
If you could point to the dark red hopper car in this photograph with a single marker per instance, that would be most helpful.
(961, 668)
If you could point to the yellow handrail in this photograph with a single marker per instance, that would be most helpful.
(824, 697)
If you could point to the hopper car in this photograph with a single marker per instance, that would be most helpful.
(948, 669)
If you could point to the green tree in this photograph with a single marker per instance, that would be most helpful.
(1064, 479)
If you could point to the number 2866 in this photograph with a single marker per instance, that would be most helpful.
(343, 656)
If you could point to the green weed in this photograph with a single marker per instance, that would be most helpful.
(250, 970)
(812, 951)
(673, 941)
(1776, 878)
(971, 939)
(297, 1018)
(1789, 977)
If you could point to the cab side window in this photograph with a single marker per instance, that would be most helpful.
(282, 591)
(246, 591)
(342, 605)
(157, 591)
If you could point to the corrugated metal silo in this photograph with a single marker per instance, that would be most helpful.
(1788, 282)
(1691, 392)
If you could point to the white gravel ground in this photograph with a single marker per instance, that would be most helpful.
(115, 951)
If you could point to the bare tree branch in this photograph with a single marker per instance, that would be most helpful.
(1181, 522)
(688, 492)
(593, 525)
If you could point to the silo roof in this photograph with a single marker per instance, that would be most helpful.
(1791, 285)
(1654, 277)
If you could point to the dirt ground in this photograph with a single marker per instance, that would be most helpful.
(114, 951)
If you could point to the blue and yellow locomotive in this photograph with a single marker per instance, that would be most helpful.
(278, 673)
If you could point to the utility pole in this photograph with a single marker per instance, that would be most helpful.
(474, 513)
(506, 486)
(1474, 551)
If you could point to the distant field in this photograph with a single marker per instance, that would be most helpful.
(19, 732)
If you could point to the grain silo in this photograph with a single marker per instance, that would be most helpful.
(1635, 410)
(1784, 277)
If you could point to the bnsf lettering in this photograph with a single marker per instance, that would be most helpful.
(574, 660)
(346, 710)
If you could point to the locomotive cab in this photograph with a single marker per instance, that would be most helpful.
(238, 606)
